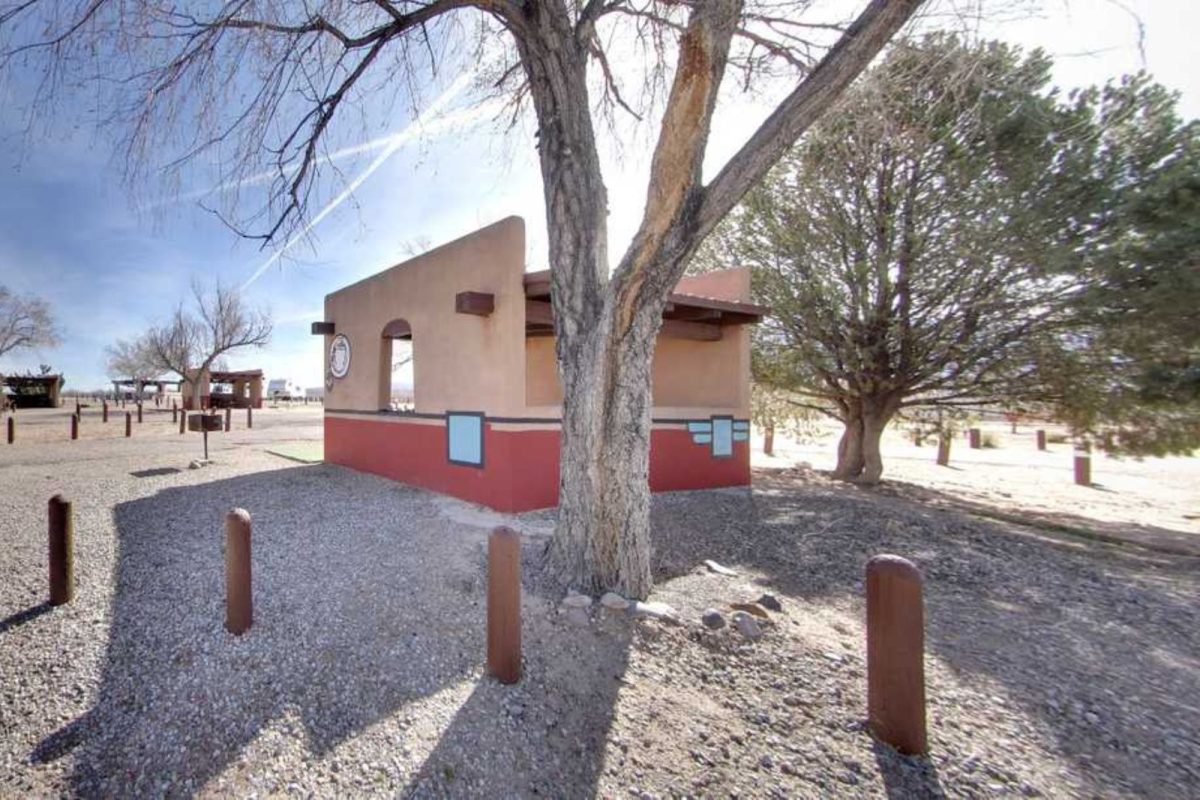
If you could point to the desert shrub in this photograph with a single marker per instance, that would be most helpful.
(989, 441)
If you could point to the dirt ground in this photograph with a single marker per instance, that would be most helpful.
(1152, 500)
(1056, 665)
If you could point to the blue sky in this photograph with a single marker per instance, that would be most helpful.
(73, 233)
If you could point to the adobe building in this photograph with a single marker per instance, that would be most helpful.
(486, 409)
(245, 390)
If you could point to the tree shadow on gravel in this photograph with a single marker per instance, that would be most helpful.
(1096, 644)
(368, 606)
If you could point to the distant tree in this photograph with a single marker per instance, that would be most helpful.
(195, 338)
(25, 322)
(956, 234)
(905, 244)
(133, 359)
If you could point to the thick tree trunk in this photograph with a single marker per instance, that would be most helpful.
(850, 455)
(874, 421)
(859, 457)
(603, 536)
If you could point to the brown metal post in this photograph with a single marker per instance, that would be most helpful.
(896, 654)
(975, 438)
(943, 453)
(174, 414)
(128, 424)
(104, 412)
(249, 417)
(182, 421)
(62, 551)
(239, 605)
(1041, 440)
(139, 406)
(12, 429)
(74, 426)
(228, 419)
(504, 605)
(1083, 468)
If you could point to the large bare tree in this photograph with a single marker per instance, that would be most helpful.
(193, 340)
(24, 322)
(283, 72)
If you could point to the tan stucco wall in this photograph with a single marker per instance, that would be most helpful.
(690, 378)
(460, 361)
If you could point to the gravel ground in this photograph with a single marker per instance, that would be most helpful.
(1056, 667)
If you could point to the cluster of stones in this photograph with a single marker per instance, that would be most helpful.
(746, 618)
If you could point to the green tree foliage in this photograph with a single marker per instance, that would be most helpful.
(958, 233)
(1130, 368)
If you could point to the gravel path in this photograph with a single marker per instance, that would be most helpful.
(1056, 667)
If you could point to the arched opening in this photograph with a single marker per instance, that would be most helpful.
(397, 387)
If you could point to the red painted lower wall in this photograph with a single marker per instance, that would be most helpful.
(520, 470)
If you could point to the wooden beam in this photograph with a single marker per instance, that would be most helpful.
(481, 304)
(538, 312)
(693, 313)
(696, 331)
(322, 329)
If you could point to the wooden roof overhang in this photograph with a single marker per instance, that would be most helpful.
(229, 377)
(686, 316)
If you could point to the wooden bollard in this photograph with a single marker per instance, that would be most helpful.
(504, 605)
(62, 551)
(943, 453)
(12, 429)
(1041, 440)
(182, 421)
(104, 411)
(74, 426)
(1083, 468)
(174, 414)
(228, 419)
(896, 654)
(139, 407)
(249, 417)
(239, 604)
(128, 424)
(974, 438)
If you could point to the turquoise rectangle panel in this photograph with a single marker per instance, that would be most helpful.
(722, 441)
(465, 435)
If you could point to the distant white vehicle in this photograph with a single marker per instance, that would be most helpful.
(283, 389)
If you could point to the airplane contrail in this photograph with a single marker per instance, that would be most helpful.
(394, 143)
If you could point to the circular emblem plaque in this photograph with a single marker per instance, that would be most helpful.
(339, 356)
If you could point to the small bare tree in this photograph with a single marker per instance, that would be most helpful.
(167, 72)
(24, 322)
(193, 340)
(133, 359)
